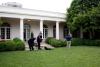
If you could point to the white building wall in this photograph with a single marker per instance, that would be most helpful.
(14, 30)
(35, 28)
(32, 12)
(50, 28)
(15, 33)
(11, 12)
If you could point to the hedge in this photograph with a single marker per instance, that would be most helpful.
(85, 42)
(11, 45)
(7, 45)
(55, 43)
(19, 44)
(75, 42)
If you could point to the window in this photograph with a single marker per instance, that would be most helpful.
(45, 31)
(5, 31)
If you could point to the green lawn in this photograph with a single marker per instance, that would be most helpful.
(59, 57)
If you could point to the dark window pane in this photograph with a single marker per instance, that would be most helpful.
(54, 31)
(8, 33)
(2, 33)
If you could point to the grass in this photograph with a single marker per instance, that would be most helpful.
(59, 57)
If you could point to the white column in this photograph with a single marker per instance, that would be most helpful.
(41, 27)
(21, 29)
(57, 29)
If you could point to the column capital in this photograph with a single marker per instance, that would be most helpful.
(21, 18)
(41, 20)
(57, 21)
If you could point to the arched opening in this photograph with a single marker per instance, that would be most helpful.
(27, 33)
(45, 31)
(65, 31)
(5, 31)
(54, 31)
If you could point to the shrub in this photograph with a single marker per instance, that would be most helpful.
(19, 44)
(55, 43)
(76, 42)
(48, 39)
(2, 45)
(97, 42)
(12, 45)
(7, 45)
(85, 42)
(16, 39)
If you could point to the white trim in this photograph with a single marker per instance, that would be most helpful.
(4, 39)
(32, 12)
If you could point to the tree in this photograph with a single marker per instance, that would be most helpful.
(78, 15)
(80, 23)
(94, 15)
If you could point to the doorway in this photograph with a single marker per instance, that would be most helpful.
(27, 33)
(45, 31)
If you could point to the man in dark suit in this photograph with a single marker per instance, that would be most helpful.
(39, 40)
(31, 43)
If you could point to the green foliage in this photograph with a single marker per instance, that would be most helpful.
(94, 15)
(16, 40)
(85, 42)
(12, 45)
(76, 42)
(80, 7)
(48, 39)
(19, 44)
(55, 43)
(84, 14)
(81, 21)
(7, 45)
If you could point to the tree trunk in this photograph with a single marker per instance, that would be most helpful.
(93, 33)
(81, 32)
(69, 31)
(90, 34)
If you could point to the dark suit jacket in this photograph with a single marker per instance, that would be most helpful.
(31, 42)
(39, 38)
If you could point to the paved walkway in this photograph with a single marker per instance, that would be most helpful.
(43, 44)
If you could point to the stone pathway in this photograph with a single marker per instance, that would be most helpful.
(43, 44)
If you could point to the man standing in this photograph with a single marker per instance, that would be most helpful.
(69, 38)
(39, 40)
